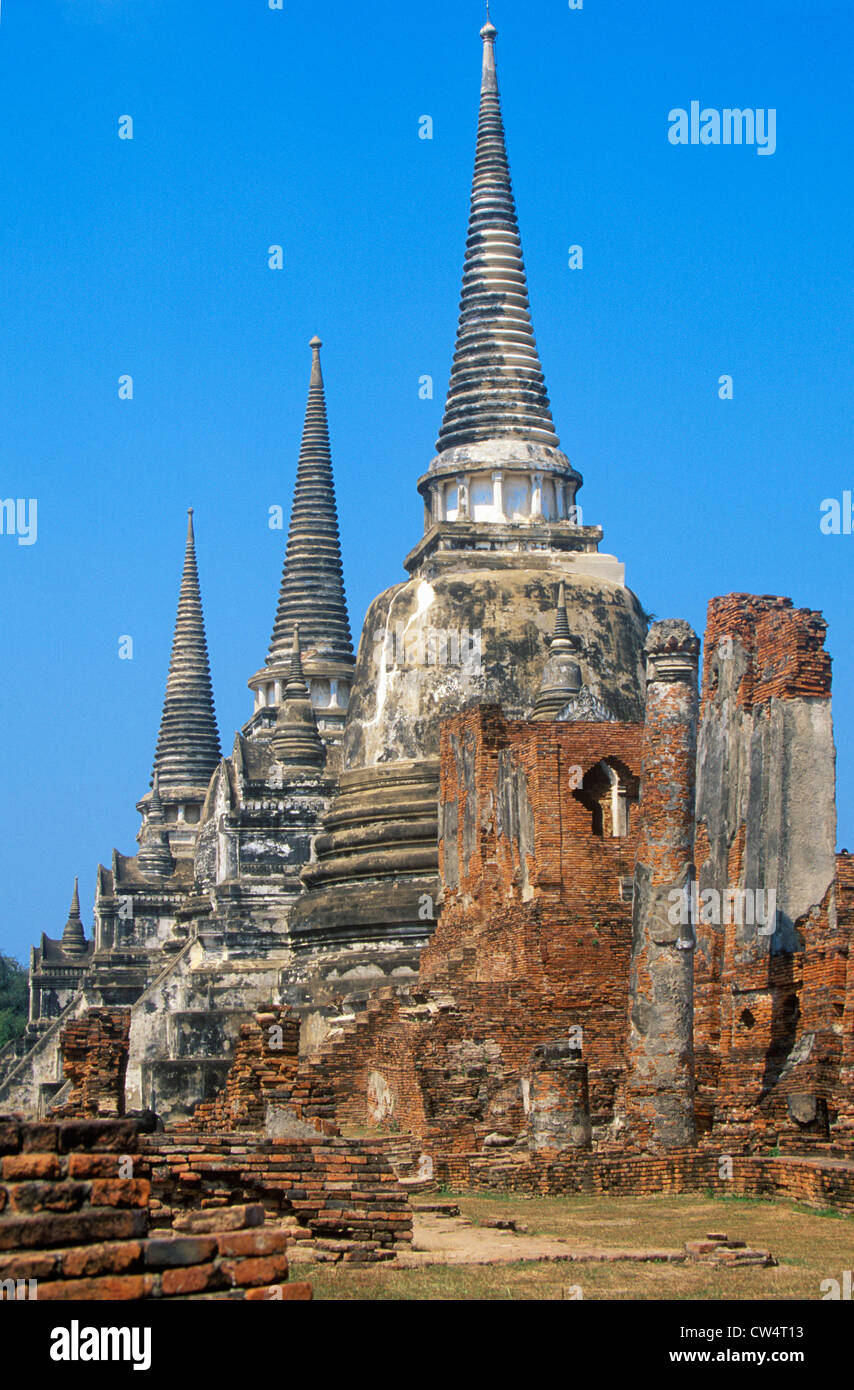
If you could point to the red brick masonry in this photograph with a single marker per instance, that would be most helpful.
(72, 1220)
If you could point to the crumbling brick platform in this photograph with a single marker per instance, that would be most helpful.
(819, 1182)
(75, 1224)
(340, 1195)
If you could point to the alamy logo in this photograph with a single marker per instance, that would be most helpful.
(76, 1343)
(431, 647)
(20, 518)
(19, 1290)
(830, 1288)
(739, 906)
(837, 518)
(731, 126)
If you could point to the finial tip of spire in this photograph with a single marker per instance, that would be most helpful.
(296, 671)
(316, 371)
(488, 34)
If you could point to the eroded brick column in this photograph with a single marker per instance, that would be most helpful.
(658, 1093)
(94, 1052)
(558, 1104)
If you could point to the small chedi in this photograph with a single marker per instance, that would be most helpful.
(520, 891)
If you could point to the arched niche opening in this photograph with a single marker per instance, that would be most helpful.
(609, 791)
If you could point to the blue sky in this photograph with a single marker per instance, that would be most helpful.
(300, 127)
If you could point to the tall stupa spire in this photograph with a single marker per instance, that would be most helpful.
(188, 748)
(498, 476)
(311, 594)
(312, 588)
(497, 389)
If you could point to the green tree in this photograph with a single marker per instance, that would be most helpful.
(14, 999)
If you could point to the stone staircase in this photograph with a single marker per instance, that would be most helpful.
(33, 1077)
(185, 1026)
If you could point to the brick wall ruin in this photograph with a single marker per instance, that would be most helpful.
(773, 969)
(516, 1030)
(252, 1145)
(531, 951)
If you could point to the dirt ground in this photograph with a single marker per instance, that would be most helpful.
(600, 1248)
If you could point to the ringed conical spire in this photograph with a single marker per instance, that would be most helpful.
(312, 588)
(562, 674)
(296, 741)
(155, 856)
(497, 388)
(188, 748)
(295, 672)
(561, 633)
(73, 936)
